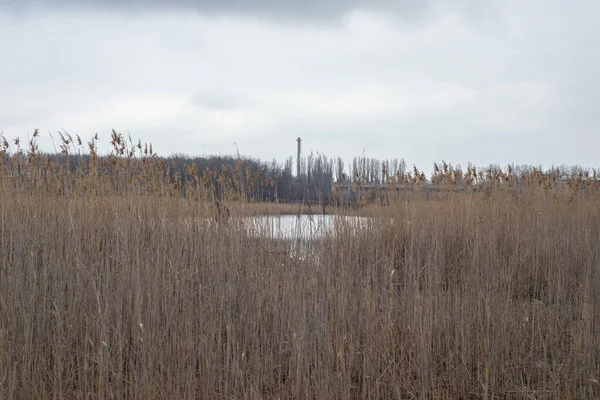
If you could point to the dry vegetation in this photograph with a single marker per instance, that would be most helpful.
(108, 291)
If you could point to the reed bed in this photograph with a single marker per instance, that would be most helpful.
(113, 295)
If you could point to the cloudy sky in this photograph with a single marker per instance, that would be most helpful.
(424, 80)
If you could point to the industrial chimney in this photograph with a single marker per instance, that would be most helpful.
(299, 140)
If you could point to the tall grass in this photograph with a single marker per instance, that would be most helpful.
(130, 294)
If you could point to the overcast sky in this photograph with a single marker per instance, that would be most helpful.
(480, 81)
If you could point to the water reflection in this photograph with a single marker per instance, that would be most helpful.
(301, 235)
(299, 227)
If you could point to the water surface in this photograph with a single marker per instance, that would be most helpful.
(300, 227)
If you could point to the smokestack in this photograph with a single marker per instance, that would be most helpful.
(298, 159)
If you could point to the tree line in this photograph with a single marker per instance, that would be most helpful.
(251, 179)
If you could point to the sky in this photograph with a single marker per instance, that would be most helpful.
(425, 80)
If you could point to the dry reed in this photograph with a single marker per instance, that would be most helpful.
(108, 292)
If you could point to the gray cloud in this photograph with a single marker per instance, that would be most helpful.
(465, 81)
(481, 14)
(217, 100)
(289, 9)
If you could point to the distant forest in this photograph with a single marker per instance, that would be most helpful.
(256, 179)
(310, 179)
(314, 182)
